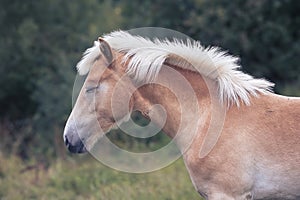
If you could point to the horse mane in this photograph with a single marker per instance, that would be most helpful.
(148, 56)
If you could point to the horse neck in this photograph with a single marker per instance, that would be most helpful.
(175, 99)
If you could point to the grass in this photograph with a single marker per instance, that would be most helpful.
(82, 177)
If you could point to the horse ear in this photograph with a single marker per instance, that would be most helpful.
(106, 50)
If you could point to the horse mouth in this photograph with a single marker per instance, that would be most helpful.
(75, 148)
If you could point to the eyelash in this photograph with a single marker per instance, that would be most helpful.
(91, 89)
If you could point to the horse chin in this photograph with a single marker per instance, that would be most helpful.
(94, 137)
(106, 126)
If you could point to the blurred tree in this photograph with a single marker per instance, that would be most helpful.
(264, 33)
(41, 41)
(17, 67)
(167, 14)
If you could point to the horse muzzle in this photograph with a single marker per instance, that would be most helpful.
(77, 147)
(72, 140)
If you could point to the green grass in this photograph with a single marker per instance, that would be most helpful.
(82, 177)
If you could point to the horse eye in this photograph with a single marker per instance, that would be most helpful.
(91, 89)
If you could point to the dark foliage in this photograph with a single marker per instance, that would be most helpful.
(41, 41)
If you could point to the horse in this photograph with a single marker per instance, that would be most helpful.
(253, 152)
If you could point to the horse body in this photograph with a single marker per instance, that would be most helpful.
(257, 154)
(255, 160)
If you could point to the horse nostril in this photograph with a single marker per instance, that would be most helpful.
(66, 141)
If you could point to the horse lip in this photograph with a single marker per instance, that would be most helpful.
(80, 148)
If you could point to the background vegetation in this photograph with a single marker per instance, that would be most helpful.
(41, 42)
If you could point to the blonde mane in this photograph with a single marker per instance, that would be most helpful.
(147, 57)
